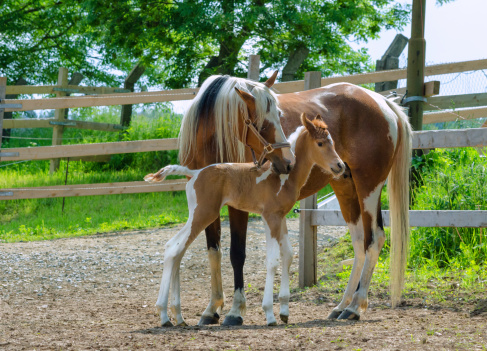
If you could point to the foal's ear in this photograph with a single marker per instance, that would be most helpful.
(307, 123)
(270, 82)
(318, 117)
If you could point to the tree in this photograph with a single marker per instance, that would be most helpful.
(182, 42)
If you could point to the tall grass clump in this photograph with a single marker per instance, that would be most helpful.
(451, 180)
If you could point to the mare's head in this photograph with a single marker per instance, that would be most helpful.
(259, 125)
(318, 145)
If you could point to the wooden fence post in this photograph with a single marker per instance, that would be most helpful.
(307, 231)
(3, 91)
(57, 132)
(254, 67)
(390, 60)
(129, 84)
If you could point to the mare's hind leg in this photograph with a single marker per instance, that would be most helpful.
(213, 235)
(374, 239)
(346, 194)
(238, 231)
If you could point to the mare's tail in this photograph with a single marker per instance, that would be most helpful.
(398, 189)
(168, 170)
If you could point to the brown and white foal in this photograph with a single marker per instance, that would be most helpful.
(261, 191)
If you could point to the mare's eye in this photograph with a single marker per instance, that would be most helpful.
(320, 143)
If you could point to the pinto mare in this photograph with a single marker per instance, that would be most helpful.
(247, 188)
(216, 129)
(373, 137)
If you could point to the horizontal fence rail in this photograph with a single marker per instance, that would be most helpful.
(473, 137)
(464, 219)
(92, 189)
(188, 94)
(77, 150)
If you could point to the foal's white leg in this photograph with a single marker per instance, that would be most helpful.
(287, 258)
(357, 234)
(359, 300)
(272, 264)
(174, 251)
(211, 314)
(176, 294)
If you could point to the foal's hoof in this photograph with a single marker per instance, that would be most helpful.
(284, 318)
(168, 324)
(334, 314)
(352, 316)
(272, 324)
(207, 320)
(232, 320)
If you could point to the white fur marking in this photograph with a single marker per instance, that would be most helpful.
(263, 176)
(283, 178)
(389, 115)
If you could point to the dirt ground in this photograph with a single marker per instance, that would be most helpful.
(98, 293)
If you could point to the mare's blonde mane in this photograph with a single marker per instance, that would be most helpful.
(227, 108)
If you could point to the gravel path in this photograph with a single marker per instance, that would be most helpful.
(98, 292)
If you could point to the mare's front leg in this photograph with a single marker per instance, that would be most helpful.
(238, 232)
(287, 258)
(213, 241)
(273, 232)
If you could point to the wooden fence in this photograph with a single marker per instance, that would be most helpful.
(424, 139)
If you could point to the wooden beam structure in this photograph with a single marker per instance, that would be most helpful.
(129, 84)
(3, 93)
(426, 218)
(50, 89)
(91, 189)
(254, 67)
(78, 150)
(449, 116)
(307, 232)
(448, 102)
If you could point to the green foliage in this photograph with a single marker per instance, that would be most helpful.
(452, 180)
(181, 42)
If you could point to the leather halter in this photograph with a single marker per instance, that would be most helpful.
(268, 147)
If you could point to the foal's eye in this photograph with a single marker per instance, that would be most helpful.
(320, 143)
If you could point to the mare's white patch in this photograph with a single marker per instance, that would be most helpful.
(283, 178)
(371, 202)
(293, 138)
(389, 115)
(263, 176)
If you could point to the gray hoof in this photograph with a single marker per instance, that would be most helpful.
(183, 324)
(232, 320)
(284, 318)
(273, 324)
(334, 314)
(349, 315)
(207, 320)
(168, 324)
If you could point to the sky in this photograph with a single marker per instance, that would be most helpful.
(454, 32)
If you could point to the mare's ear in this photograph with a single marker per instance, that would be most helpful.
(270, 82)
(307, 124)
(248, 99)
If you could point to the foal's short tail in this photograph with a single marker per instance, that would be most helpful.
(398, 189)
(168, 170)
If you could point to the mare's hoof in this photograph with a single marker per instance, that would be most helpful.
(232, 320)
(352, 316)
(334, 314)
(183, 324)
(207, 320)
(272, 324)
(168, 324)
(284, 318)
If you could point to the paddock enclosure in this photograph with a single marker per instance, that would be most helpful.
(98, 292)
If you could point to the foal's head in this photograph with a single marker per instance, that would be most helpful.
(319, 146)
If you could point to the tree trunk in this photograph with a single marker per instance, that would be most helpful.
(296, 59)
